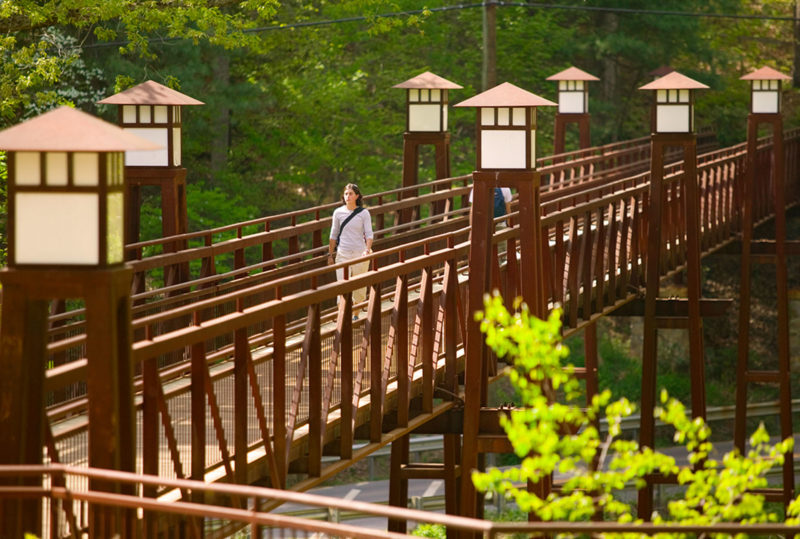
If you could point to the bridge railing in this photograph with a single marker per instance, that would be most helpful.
(219, 509)
(235, 342)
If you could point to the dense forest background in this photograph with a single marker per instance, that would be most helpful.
(298, 94)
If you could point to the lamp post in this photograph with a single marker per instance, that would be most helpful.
(506, 157)
(672, 123)
(426, 124)
(154, 112)
(765, 108)
(65, 228)
(573, 106)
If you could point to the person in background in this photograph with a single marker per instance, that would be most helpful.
(351, 237)
(501, 202)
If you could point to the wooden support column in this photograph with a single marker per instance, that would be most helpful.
(781, 374)
(560, 133)
(532, 286)
(655, 246)
(22, 361)
(411, 144)
(109, 377)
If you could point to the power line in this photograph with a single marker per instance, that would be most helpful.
(498, 3)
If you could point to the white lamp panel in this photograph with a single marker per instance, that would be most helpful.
(56, 168)
(56, 228)
(444, 118)
(672, 119)
(503, 116)
(148, 158)
(114, 230)
(27, 168)
(765, 102)
(487, 116)
(160, 114)
(503, 149)
(424, 117)
(129, 114)
(144, 114)
(176, 146)
(85, 168)
(518, 116)
(570, 102)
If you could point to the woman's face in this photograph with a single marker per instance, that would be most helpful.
(350, 197)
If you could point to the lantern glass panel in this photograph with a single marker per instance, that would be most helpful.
(149, 158)
(673, 118)
(562, 85)
(502, 116)
(129, 114)
(176, 146)
(27, 168)
(683, 96)
(424, 117)
(503, 149)
(518, 116)
(145, 114)
(765, 102)
(487, 116)
(114, 168)
(85, 169)
(56, 228)
(160, 114)
(56, 168)
(533, 148)
(661, 96)
(570, 102)
(436, 95)
(774, 84)
(114, 227)
(424, 95)
(579, 85)
(444, 117)
(413, 95)
(176, 114)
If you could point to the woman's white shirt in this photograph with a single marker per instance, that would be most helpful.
(355, 234)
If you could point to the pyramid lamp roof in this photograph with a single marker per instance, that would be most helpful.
(430, 81)
(674, 81)
(573, 73)
(765, 73)
(150, 93)
(69, 130)
(506, 95)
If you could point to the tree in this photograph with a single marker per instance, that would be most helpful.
(560, 436)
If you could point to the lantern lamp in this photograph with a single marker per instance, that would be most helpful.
(66, 190)
(506, 127)
(765, 90)
(426, 102)
(153, 112)
(573, 90)
(674, 103)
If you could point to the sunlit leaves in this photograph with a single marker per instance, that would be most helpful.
(558, 436)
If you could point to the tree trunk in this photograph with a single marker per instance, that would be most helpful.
(796, 67)
(221, 120)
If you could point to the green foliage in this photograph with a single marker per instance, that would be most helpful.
(437, 531)
(561, 437)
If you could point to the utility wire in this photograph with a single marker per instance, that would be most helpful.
(498, 3)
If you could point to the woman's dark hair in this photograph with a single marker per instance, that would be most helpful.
(356, 190)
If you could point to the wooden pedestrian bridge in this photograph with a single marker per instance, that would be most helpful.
(249, 369)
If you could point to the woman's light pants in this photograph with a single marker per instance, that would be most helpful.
(360, 294)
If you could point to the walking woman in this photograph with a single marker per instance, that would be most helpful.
(351, 236)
